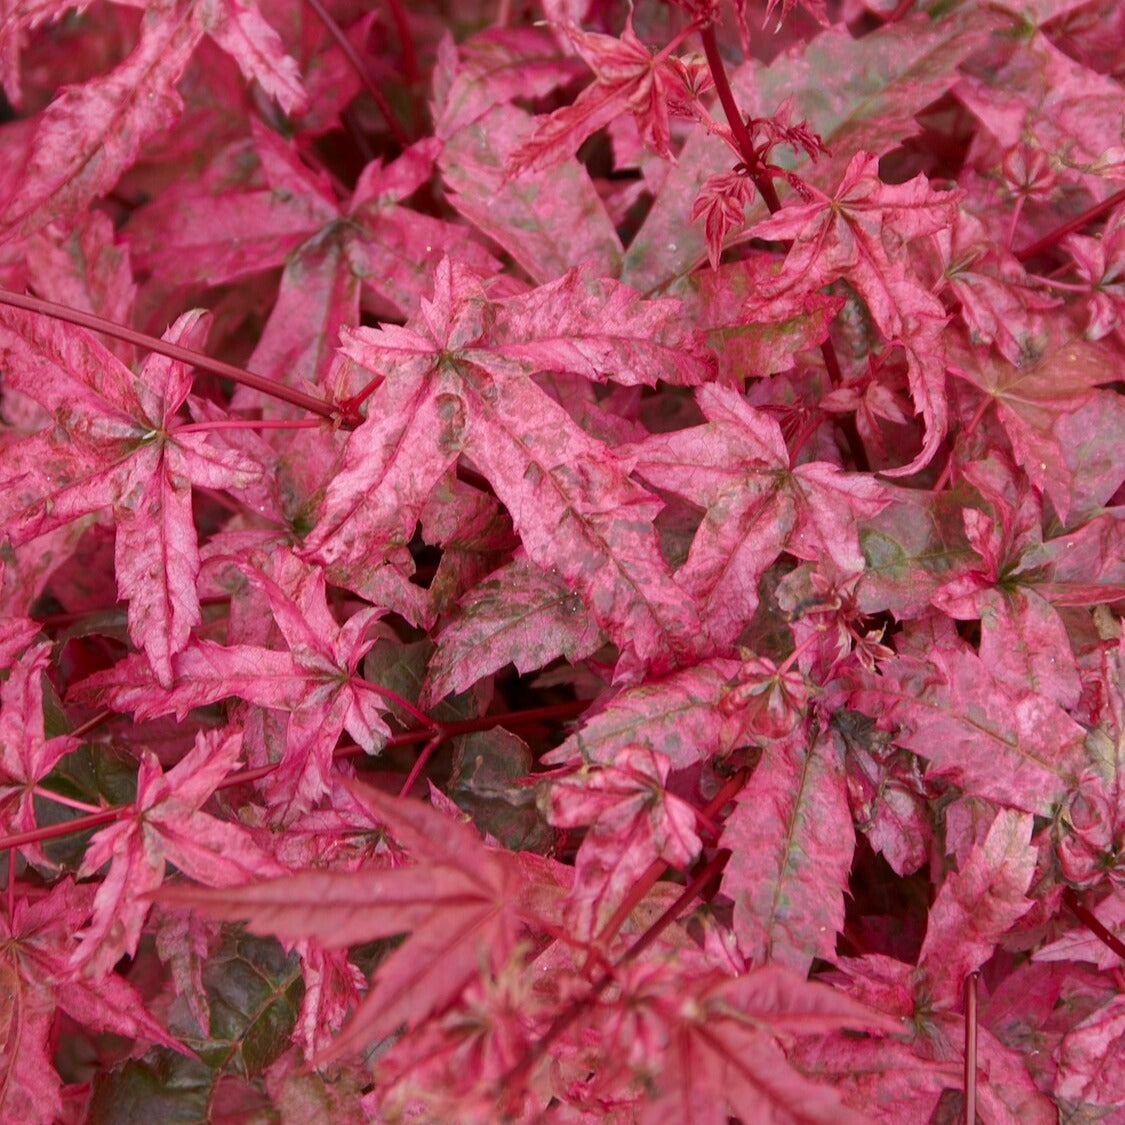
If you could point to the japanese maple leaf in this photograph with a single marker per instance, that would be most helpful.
(633, 820)
(1100, 263)
(1014, 747)
(630, 79)
(26, 754)
(314, 681)
(16, 634)
(252, 206)
(91, 133)
(721, 204)
(36, 980)
(85, 268)
(1029, 399)
(166, 825)
(113, 445)
(520, 614)
(860, 233)
(460, 902)
(258, 206)
(792, 839)
(758, 505)
(1023, 639)
(715, 301)
(493, 1023)
(458, 382)
(998, 304)
(725, 1052)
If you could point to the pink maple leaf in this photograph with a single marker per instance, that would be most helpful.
(633, 821)
(791, 838)
(113, 444)
(36, 945)
(460, 383)
(630, 79)
(951, 707)
(314, 681)
(758, 504)
(166, 825)
(1031, 400)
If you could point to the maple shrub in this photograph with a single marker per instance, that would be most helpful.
(562, 562)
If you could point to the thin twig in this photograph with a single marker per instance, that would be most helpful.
(1079, 221)
(172, 351)
(971, 1048)
(1091, 922)
(369, 83)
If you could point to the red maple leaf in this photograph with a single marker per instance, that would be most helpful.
(166, 825)
(789, 869)
(36, 979)
(723, 1053)
(758, 504)
(633, 821)
(460, 902)
(950, 707)
(112, 444)
(630, 79)
(314, 681)
(1031, 399)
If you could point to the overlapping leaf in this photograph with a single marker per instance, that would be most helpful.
(791, 839)
(457, 901)
(314, 681)
(450, 390)
(1019, 749)
(112, 445)
(757, 505)
(167, 826)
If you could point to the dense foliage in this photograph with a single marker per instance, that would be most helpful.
(560, 562)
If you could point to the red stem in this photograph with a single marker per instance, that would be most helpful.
(515, 1078)
(369, 84)
(971, 1048)
(1091, 922)
(768, 192)
(738, 128)
(59, 799)
(405, 41)
(420, 763)
(1059, 233)
(248, 424)
(84, 729)
(448, 730)
(172, 351)
(398, 701)
(54, 831)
